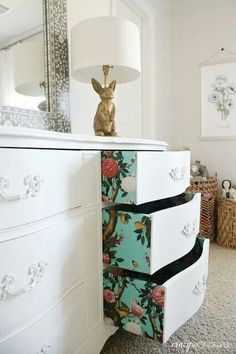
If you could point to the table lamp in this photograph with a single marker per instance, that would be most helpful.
(100, 48)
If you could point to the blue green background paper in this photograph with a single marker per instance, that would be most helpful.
(129, 244)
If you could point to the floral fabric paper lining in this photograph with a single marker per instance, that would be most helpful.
(119, 176)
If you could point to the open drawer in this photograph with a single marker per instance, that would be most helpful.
(156, 306)
(147, 237)
(136, 177)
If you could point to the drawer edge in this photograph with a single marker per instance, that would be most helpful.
(38, 225)
(38, 318)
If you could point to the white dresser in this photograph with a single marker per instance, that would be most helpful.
(51, 292)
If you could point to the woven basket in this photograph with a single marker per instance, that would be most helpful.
(208, 190)
(226, 226)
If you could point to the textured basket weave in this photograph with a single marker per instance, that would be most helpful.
(226, 226)
(208, 190)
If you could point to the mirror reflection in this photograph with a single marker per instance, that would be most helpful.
(22, 54)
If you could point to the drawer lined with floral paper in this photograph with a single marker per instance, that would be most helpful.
(155, 306)
(147, 237)
(136, 177)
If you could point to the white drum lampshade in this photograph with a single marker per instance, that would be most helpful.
(102, 41)
(29, 68)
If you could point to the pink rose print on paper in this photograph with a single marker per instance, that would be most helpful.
(106, 258)
(109, 168)
(136, 309)
(158, 295)
(108, 295)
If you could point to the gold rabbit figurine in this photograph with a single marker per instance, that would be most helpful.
(104, 120)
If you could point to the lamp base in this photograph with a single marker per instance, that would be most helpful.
(104, 120)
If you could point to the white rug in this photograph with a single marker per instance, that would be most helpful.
(211, 330)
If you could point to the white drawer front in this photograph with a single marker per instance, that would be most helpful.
(36, 270)
(35, 184)
(61, 331)
(174, 232)
(162, 175)
(184, 293)
(131, 177)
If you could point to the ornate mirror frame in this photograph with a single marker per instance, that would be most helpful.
(56, 77)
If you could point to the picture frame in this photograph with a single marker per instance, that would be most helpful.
(218, 101)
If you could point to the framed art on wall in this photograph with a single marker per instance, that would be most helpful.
(218, 101)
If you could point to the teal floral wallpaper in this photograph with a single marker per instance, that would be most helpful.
(118, 176)
(126, 239)
(135, 304)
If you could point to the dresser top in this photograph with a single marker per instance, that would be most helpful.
(33, 138)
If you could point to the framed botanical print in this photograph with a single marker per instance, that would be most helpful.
(218, 101)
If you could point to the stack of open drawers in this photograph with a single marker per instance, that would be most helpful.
(156, 272)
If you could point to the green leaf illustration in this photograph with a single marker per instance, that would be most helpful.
(143, 321)
(123, 165)
(105, 184)
(138, 231)
(142, 240)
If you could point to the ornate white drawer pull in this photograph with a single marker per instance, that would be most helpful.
(32, 184)
(177, 174)
(189, 229)
(200, 286)
(44, 350)
(36, 274)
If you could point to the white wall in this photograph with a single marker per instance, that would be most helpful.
(199, 29)
(162, 74)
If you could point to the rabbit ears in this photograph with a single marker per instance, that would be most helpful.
(98, 87)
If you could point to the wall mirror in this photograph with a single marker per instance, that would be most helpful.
(34, 73)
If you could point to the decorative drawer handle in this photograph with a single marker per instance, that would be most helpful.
(177, 174)
(44, 350)
(189, 229)
(200, 286)
(36, 274)
(32, 183)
